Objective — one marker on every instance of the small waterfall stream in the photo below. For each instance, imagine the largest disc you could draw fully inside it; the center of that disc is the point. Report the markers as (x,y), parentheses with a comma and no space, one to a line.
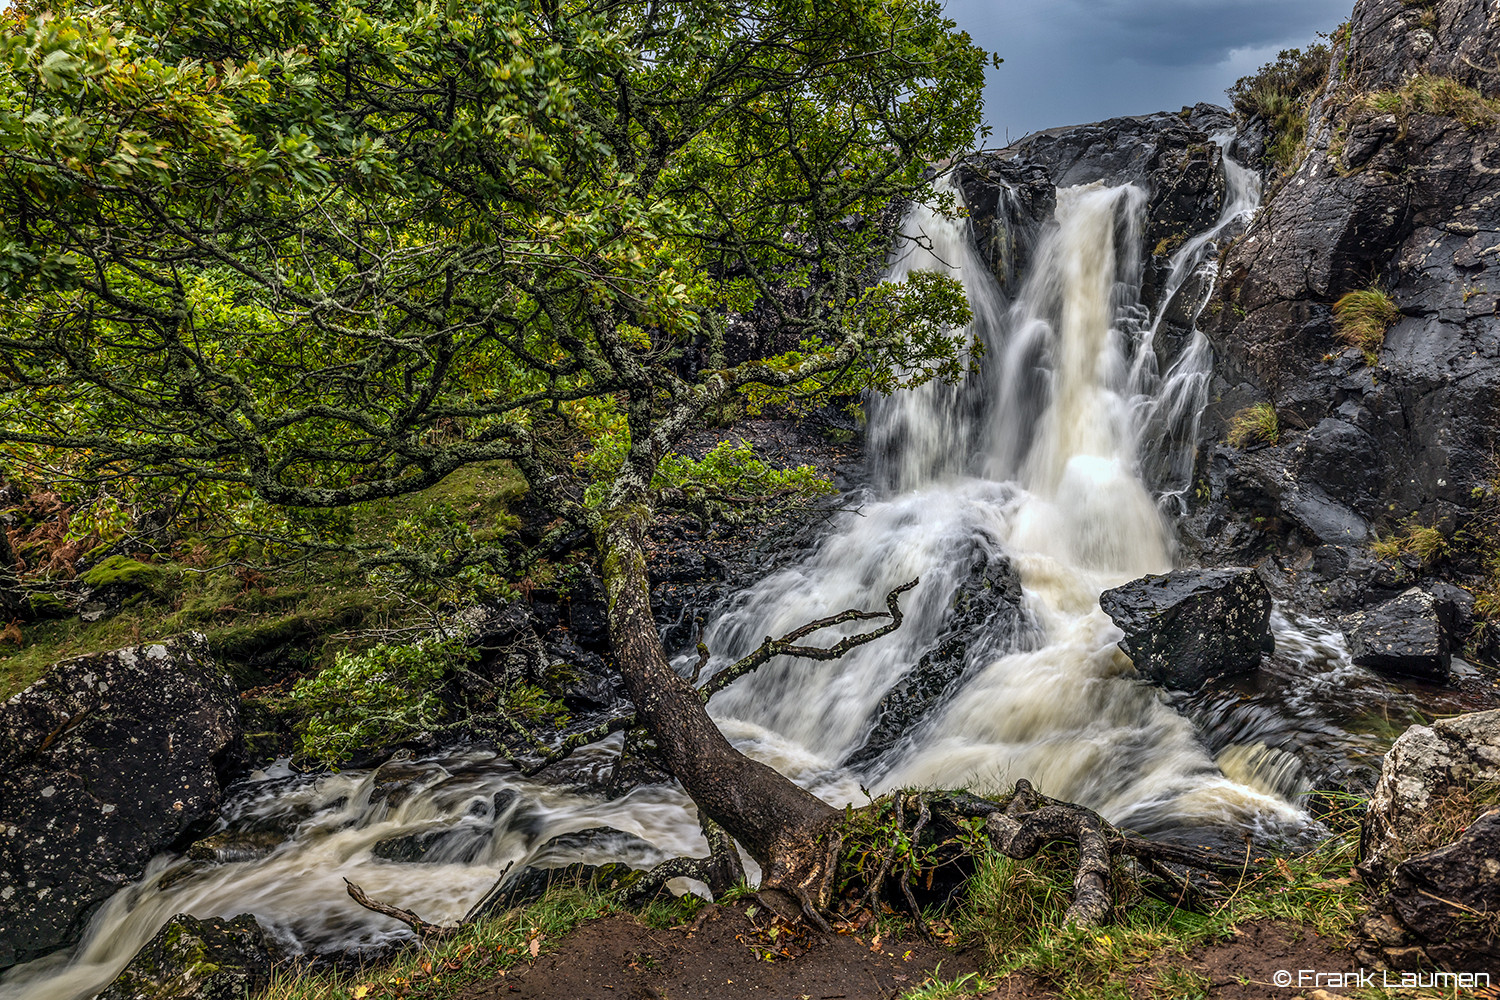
(1055,460)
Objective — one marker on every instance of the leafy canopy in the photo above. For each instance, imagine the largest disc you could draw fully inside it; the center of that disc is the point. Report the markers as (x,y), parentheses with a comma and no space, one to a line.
(318,252)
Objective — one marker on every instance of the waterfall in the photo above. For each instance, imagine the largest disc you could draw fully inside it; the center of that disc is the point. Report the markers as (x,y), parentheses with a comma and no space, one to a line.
(1052,462)
(1037,460)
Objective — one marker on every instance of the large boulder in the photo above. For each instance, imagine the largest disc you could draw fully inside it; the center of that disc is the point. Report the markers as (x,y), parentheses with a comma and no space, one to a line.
(1184,627)
(1430,846)
(1409,635)
(987,613)
(106,761)
(1428,773)
(1439,909)
(212,959)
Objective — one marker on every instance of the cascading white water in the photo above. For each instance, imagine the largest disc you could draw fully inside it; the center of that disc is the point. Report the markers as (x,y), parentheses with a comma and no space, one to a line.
(1036,461)
(1055,430)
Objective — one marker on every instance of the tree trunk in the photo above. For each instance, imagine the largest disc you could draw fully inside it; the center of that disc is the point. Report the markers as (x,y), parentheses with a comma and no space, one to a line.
(790,832)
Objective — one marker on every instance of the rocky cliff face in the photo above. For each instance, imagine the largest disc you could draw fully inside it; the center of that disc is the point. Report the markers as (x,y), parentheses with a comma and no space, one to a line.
(1399,191)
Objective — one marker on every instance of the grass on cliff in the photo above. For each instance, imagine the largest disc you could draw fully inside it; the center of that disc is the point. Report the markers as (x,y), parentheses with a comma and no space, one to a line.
(1361,318)
(1435,95)
(1280,93)
(1426,543)
(1255,424)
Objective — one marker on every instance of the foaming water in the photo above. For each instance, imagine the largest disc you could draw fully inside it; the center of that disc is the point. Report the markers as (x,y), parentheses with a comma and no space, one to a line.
(1054,427)
(1051,459)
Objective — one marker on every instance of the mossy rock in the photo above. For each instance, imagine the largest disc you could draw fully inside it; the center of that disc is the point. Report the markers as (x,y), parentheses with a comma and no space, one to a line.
(48,605)
(124,573)
(212,959)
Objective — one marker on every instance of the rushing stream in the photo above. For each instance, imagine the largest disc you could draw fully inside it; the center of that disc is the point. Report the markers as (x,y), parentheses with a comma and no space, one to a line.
(1057,460)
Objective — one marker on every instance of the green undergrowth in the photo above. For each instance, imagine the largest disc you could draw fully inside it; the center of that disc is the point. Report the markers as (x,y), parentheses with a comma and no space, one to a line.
(1279,93)
(1012,919)
(264,624)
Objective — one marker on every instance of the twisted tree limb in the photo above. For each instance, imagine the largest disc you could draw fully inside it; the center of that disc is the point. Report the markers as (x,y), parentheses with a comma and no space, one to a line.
(787,645)
(721,870)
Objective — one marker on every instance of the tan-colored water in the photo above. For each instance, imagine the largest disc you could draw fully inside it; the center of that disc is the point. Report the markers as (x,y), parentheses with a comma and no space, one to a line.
(1036,460)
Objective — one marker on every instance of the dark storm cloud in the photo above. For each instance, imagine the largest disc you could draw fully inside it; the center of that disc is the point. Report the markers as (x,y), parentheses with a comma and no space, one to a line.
(1197,32)
(1071,61)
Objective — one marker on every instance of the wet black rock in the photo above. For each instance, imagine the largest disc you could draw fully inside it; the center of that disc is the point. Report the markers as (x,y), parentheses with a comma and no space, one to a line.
(988,613)
(402,776)
(1009,201)
(1410,635)
(1399,201)
(579,676)
(1438,909)
(192,959)
(229,846)
(105,762)
(459,844)
(599,845)
(1182,628)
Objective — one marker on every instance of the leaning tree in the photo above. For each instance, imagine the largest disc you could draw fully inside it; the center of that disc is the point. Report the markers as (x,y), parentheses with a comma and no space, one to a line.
(322,252)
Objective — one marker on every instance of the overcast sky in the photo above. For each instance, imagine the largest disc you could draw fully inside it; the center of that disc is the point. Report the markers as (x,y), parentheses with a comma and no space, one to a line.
(1073,61)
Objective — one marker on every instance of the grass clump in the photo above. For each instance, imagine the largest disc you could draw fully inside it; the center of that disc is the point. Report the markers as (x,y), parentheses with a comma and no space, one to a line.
(1426,543)
(1012,911)
(962,988)
(1279,93)
(479,951)
(1435,95)
(1361,318)
(1254,425)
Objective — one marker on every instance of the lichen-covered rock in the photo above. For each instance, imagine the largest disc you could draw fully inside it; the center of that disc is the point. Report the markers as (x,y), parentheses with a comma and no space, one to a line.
(1439,907)
(106,761)
(1409,635)
(1182,628)
(211,959)
(1428,773)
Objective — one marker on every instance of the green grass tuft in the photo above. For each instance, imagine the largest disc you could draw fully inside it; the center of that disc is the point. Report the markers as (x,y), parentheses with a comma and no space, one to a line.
(1254,425)
(1361,318)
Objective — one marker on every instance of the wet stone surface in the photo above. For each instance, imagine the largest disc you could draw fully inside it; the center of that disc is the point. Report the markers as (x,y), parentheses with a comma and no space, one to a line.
(106,761)
(1182,628)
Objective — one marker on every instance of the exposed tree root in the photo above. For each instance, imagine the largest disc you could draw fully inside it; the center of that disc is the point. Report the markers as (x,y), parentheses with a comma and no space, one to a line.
(721,870)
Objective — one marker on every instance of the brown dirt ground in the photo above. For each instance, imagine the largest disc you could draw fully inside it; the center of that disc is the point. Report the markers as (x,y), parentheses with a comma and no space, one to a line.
(724,956)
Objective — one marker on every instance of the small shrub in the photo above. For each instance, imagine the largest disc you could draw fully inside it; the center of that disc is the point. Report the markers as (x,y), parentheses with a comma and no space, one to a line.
(1280,93)
(375,697)
(1254,425)
(531,703)
(1361,318)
